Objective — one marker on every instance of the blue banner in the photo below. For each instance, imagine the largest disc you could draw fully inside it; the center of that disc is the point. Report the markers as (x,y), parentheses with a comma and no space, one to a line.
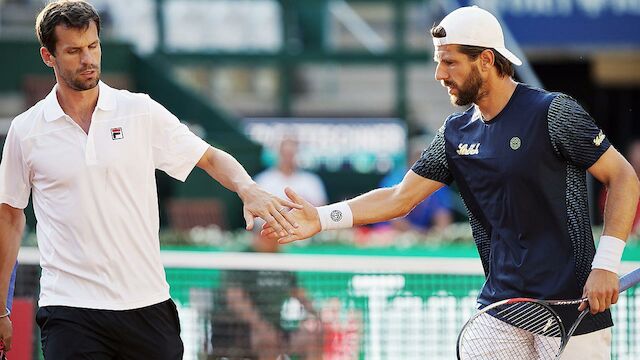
(574,23)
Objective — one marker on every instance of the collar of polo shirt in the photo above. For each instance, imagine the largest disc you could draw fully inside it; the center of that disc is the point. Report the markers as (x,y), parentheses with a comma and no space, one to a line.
(53,111)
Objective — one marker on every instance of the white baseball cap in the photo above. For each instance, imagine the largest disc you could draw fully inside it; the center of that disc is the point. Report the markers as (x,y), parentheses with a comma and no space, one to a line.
(474,26)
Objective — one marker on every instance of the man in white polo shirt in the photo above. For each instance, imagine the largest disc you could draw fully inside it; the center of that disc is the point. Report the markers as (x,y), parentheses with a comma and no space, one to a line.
(88,153)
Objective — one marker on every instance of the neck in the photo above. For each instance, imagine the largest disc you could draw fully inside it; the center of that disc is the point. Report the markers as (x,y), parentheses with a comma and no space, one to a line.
(287,170)
(79,105)
(496,96)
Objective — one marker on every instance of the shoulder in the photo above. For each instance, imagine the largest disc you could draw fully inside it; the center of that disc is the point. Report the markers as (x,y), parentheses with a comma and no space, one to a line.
(535,92)
(24,124)
(565,110)
(533,97)
(564,102)
(459,117)
(458,120)
(131,101)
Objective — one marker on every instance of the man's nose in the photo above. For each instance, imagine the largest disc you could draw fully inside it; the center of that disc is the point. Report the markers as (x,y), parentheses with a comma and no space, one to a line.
(86,57)
(440,74)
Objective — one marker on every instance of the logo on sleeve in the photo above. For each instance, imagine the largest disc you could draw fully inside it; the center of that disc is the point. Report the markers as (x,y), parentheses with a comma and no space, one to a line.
(599,139)
(466,149)
(116,133)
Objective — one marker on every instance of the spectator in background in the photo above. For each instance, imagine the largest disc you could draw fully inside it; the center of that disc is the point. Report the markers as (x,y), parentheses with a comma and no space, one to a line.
(286,173)
(341,331)
(434,213)
(263,314)
(633,156)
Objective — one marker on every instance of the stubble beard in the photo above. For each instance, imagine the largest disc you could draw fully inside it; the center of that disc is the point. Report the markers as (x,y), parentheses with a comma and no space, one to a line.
(75,83)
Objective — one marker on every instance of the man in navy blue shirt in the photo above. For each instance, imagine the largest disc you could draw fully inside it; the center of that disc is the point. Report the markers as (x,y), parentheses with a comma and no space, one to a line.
(519,156)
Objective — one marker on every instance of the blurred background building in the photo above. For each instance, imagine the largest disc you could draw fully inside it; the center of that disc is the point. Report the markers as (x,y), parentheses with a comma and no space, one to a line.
(352,81)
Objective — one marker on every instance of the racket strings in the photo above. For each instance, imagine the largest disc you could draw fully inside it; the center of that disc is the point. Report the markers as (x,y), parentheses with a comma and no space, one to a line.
(533,318)
(523,330)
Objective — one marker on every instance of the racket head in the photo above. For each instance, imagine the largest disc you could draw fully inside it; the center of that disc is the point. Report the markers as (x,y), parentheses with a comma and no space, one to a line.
(520,328)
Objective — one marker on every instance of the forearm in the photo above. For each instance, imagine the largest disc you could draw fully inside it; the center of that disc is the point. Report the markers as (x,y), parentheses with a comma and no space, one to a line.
(12,225)
(226,170)
(621,205)
(379,205)
(389,203)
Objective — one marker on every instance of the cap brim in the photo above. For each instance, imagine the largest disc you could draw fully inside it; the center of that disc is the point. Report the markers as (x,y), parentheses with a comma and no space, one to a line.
(509,55)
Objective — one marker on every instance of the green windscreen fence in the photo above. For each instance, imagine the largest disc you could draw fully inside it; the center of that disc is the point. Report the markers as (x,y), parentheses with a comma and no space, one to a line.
(335,307)
(347,307)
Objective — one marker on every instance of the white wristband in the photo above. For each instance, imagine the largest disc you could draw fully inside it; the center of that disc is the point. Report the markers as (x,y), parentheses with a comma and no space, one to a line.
(335,216)
(609,254)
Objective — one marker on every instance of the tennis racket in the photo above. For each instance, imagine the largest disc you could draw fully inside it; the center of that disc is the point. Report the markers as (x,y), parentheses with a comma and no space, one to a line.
(522,328)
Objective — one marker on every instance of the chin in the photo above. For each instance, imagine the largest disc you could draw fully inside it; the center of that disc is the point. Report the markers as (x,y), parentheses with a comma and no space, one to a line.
(87,85)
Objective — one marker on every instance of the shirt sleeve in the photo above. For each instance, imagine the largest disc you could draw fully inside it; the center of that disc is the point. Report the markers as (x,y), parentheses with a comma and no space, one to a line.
(433,161)
(15,175)
(575,137)
(176,150)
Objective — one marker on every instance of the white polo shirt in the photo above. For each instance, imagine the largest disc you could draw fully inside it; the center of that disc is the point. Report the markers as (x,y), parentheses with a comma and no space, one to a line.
(95,196)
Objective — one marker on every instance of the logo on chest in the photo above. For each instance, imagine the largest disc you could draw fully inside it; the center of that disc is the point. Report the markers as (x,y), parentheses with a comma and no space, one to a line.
(515,143)
(468,149)
(116,133)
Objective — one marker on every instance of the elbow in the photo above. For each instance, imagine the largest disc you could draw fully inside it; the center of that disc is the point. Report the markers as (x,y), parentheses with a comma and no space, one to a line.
(629,183)
(13,217)
(404,211)
(635,187)
(21,220)
(207,160)
(632,184)
(403,203)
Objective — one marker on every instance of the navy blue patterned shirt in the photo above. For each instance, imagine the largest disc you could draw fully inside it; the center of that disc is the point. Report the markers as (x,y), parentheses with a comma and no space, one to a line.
(522,178)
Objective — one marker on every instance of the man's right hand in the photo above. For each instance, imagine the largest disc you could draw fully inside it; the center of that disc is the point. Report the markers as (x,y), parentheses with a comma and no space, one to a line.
(307,219)
(6,332)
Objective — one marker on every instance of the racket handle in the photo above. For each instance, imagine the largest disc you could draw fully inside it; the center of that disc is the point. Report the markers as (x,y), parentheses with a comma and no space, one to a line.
(629,280)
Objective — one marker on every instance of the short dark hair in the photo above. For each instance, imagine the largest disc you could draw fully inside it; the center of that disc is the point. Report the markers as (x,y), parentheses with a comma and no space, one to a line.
(502,64)
(77,14)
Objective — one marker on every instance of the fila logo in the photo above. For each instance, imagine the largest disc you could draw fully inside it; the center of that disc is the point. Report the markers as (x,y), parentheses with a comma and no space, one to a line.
(599,139)
(116,133)
(466,149)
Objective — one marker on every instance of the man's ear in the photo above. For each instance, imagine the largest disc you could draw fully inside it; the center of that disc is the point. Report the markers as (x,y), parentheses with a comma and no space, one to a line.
(47,57)
(487,59)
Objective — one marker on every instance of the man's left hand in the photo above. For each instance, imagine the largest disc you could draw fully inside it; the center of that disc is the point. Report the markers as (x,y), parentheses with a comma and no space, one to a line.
(602,289)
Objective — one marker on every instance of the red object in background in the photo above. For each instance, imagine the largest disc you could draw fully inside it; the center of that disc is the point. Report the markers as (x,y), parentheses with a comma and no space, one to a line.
(22,317)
